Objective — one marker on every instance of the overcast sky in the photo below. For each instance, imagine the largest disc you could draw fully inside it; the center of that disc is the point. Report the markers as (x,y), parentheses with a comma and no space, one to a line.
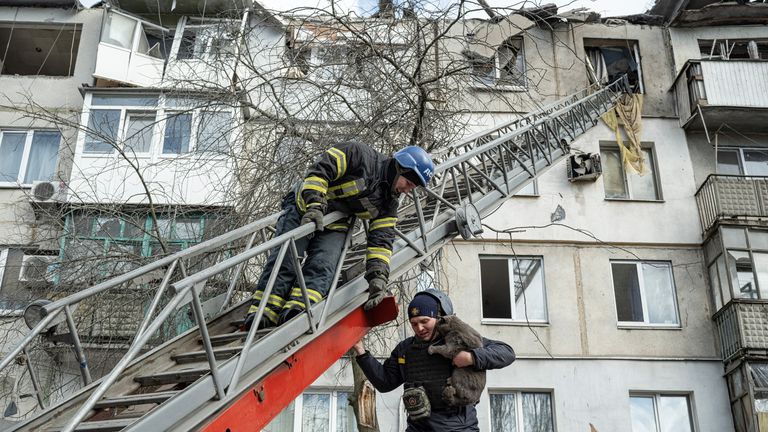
(365,7)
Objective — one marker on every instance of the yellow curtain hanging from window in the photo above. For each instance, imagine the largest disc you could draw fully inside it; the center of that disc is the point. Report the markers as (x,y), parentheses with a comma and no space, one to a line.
(627,116)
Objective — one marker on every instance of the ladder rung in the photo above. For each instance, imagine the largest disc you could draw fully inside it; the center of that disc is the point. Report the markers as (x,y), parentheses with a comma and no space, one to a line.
(196,356)
(135,399)
(226,338)
(172,377)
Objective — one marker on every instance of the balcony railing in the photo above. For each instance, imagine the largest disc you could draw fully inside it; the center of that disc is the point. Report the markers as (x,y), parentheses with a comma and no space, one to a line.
(720,84)
(742,327)
(735,198)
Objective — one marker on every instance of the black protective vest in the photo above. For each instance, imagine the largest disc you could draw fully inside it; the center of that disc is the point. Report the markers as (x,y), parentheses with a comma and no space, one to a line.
(430,371)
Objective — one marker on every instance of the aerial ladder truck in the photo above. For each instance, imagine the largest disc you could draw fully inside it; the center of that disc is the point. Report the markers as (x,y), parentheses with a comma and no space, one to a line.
(214,377)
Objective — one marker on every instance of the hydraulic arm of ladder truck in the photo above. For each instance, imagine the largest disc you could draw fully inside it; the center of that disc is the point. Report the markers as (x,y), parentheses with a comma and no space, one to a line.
(213,377)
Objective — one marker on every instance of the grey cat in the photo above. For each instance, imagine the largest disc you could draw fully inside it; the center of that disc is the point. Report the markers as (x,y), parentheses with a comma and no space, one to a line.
(465,384)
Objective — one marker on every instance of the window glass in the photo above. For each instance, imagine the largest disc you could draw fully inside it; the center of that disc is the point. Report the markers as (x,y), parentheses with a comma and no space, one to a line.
(714,279)
(728,162)
(102,131)
(674,414)
(756,162)
(643,187)
(613,174)
(742,277)
(530,302)
(734,238)
(187,229)
(537,413)
(494,279)
(345,415)
(41,163)
(503,412)
(119,30)
(123,100)
(659,293)
(138,132)
(214,131)
(178,129)
(721,268)
(315,414)
(11,152)
(758,239)
(629,306)
(761,269)
(642,413)
(644,292)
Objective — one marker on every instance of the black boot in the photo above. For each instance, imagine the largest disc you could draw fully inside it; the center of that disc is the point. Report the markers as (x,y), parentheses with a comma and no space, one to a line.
(287,314)
(263,324)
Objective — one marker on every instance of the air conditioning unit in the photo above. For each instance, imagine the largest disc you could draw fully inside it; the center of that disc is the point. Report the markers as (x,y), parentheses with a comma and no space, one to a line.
(49,192)
(584,167)
(37,268)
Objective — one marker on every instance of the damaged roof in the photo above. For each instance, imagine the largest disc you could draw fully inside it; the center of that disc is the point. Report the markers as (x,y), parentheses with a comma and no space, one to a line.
(694,13)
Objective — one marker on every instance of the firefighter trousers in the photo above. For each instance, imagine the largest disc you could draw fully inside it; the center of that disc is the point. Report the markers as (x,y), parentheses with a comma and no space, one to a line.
(323,250)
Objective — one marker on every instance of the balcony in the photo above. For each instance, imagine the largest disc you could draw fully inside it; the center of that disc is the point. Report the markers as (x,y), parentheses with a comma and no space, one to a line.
(723,91)
(742,328)
(737,199)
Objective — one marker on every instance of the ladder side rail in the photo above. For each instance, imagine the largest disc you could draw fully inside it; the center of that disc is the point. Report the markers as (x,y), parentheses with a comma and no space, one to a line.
(238,273)
(121,365)
(190,252)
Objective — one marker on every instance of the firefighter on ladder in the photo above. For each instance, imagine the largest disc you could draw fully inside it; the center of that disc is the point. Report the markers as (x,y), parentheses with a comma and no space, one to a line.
(357,180)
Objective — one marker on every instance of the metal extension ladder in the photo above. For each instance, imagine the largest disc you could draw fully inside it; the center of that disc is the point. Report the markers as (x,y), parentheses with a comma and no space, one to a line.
(216,378)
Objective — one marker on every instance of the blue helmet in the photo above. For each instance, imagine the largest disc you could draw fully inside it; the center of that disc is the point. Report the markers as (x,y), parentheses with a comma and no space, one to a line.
(417,160)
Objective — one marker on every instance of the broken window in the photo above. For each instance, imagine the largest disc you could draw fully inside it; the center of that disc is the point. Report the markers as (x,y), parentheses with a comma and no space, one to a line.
(38,49)
(518,294)
(506,67)
(28,156)
(208,42)
(731,49)
(645,293)
(121,31)
(609,60)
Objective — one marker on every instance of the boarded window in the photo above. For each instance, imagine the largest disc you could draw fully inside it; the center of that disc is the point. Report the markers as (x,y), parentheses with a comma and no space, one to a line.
(36,49)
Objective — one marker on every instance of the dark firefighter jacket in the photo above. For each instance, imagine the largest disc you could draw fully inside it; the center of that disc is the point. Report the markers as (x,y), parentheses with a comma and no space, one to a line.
(390,375)
(355,179)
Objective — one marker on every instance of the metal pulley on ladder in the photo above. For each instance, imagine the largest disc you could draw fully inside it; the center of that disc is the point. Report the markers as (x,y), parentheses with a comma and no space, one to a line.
(468,221)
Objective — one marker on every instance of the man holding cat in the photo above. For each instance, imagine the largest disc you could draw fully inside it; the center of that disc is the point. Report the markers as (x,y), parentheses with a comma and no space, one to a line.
(426,375)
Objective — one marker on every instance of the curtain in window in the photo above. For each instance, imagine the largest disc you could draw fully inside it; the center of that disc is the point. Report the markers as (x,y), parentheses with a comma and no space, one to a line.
(659,293)
(11,151)
(598,72)
(537,413)
(345,415)
(503,415)
(42,156)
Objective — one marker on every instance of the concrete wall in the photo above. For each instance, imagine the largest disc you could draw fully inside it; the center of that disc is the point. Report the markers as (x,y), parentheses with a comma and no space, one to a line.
(672,220)
(54,92)
(582,391)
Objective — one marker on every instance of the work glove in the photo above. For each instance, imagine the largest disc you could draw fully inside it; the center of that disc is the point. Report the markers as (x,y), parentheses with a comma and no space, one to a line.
(377,290)
(313,215)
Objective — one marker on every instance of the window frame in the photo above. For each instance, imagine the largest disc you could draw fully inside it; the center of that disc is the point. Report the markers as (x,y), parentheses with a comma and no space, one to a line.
(640,279)
(138,30)
(651,147)
(59,28)
(519,404)
(24,164)
(741,159)
(163,109)
(298,406)
(510,274)
(658,395)
(595,43)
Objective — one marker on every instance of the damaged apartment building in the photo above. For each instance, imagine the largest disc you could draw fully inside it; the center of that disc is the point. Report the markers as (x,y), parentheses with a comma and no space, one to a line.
(632,290)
